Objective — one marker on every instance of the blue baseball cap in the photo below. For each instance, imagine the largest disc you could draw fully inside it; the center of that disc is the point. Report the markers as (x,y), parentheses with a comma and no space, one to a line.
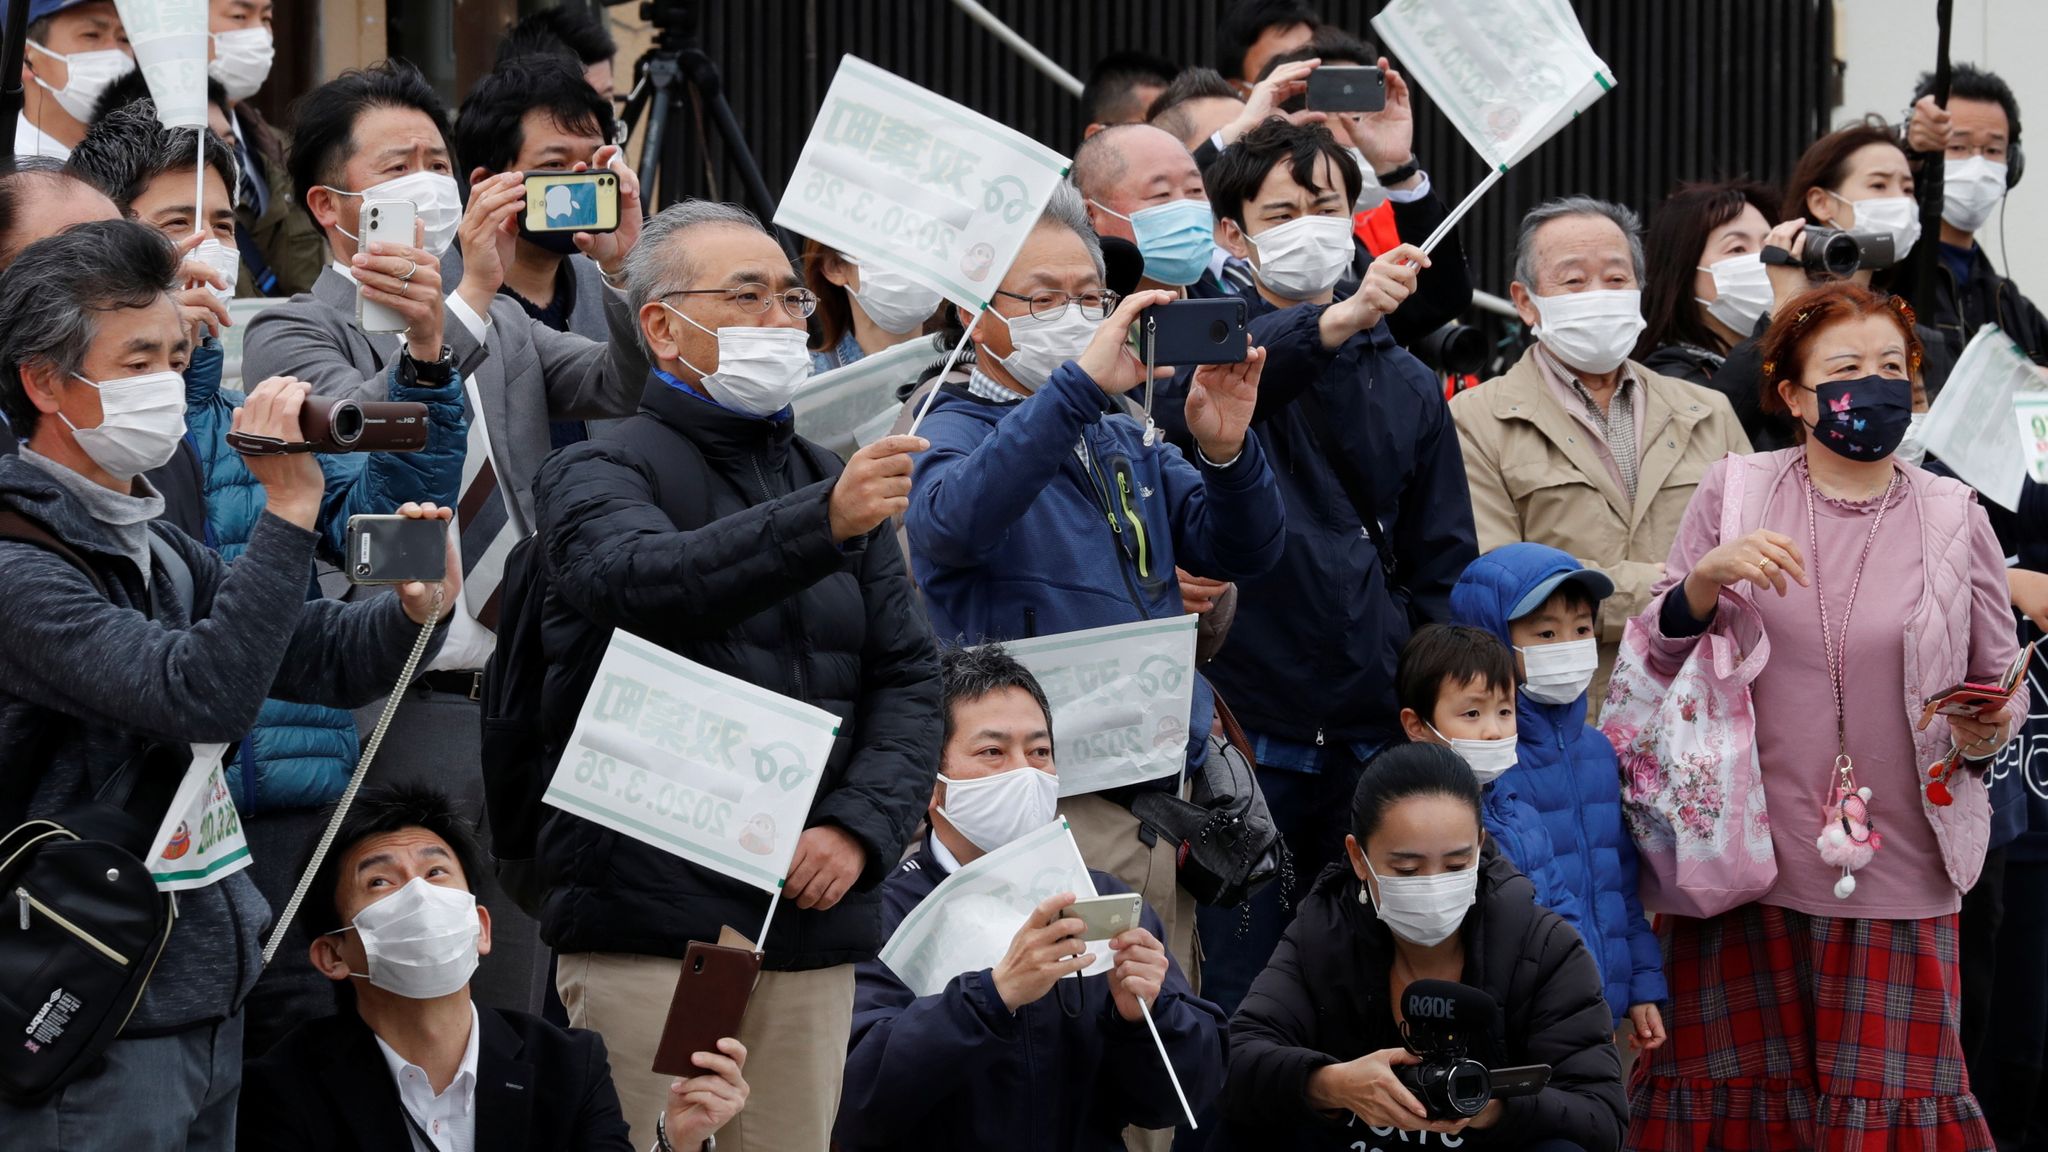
(1595,584)
(44,9)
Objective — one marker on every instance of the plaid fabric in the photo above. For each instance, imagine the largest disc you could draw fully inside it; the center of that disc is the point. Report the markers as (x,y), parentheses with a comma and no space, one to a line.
(1790,1031)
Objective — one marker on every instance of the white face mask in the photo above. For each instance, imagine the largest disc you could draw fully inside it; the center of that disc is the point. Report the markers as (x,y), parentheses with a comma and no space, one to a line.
(88,76)
(420,941)
(1303,258)
(1038,347)
(1742,292)
(1423,910)
(435,201)
(1970,190)
(142,418)
(1559,673)
(1370,194)
(759,369)
(1487,758)
(1590,331)
(241,60)
(1894,216)
(995,810)
(1913,450)
(221,259)
(896,303)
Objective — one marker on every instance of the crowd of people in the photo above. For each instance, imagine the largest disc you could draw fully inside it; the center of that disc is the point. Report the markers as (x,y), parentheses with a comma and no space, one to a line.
(1411,594)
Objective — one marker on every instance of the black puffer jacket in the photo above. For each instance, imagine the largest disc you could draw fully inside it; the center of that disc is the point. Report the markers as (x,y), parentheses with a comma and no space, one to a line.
(755,588)
(1324,999)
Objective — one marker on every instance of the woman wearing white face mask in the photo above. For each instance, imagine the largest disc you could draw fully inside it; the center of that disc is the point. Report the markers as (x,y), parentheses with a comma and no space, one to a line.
(863,308)
(1704,287)
(1421,895)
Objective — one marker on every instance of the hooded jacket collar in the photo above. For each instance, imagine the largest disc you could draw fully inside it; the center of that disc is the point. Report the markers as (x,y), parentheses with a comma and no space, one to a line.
(717,431)
(35,494)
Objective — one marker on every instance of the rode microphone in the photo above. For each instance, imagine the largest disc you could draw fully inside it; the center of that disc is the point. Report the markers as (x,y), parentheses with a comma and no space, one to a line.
(1444,1016)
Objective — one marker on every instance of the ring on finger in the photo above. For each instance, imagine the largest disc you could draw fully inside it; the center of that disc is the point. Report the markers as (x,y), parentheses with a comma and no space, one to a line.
(411,266)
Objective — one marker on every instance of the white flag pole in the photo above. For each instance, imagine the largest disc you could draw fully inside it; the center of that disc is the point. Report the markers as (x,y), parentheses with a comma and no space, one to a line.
(774,901)
(1464,206)
(199,180)
(939,380)
(1145,1010)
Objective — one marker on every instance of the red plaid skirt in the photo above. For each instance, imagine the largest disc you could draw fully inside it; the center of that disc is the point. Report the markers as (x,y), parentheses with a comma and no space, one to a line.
(1796,1032)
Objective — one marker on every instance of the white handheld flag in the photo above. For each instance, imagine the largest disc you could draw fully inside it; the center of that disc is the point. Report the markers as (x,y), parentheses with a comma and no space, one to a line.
(695,762)
(1507,73)
(200,840)
(170,42)
(1120,699)
(905,177)
(1971,426)
(832,407)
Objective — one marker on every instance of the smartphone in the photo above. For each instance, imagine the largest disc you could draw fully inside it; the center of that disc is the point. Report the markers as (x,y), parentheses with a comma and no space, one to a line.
(1526,1080)
(571,201)
(1192,332)
(709,1003)
(390,221)
(1105,916)
(1347,88)
(395,549)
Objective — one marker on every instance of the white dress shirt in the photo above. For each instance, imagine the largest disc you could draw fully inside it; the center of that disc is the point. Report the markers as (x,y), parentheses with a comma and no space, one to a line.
(448,1121)
(30,140)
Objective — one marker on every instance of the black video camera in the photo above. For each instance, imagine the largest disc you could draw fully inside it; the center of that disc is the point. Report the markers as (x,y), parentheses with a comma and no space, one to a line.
(1447,1023)
(1833,252)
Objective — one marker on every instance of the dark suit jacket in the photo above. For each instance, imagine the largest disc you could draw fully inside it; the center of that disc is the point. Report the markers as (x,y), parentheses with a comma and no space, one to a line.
(326,1088)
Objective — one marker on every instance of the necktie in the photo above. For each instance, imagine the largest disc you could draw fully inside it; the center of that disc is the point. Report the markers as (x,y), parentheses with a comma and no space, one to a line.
(487,532)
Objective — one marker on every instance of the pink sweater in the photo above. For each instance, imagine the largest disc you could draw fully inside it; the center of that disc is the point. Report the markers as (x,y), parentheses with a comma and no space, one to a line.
(1933,608)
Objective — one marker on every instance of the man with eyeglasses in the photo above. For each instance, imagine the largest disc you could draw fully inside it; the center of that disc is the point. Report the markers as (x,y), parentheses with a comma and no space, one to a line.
(1044,507)
(706,525)
(382,133)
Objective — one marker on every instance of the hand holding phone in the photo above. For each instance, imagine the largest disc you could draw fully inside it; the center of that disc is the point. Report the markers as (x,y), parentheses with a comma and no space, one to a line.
(396,549)
(709,1004)
(1192,332)
(1347,88)
(561,204)
(390,221)
(1103,917)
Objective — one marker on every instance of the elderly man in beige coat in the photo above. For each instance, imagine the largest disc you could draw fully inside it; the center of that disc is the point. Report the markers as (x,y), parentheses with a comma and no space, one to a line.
(1577,446)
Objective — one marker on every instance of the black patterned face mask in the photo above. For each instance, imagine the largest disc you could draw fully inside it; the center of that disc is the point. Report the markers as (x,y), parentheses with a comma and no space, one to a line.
(1863,419)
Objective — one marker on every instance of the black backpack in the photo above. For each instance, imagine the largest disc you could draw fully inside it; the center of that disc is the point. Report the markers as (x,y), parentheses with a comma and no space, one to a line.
(518,757)
(83,923)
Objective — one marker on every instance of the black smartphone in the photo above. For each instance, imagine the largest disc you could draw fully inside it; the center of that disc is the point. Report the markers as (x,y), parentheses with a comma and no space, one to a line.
(1526,1080)
(395,549)
(1347,88)
(571,201)
(1192,332)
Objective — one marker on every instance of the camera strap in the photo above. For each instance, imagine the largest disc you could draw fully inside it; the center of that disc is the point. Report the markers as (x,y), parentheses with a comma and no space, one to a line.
(355,780)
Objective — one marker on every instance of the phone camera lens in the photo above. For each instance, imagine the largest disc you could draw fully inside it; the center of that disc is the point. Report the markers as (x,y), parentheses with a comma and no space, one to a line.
(1219,331)
(362,569)
(698,965)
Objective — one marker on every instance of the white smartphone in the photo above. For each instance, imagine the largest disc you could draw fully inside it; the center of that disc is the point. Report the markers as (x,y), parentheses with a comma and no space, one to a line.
(392,222)
(1106,916)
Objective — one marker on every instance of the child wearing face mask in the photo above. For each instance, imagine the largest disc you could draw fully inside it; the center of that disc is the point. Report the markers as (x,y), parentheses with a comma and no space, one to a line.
(1456,686)
(1544,605)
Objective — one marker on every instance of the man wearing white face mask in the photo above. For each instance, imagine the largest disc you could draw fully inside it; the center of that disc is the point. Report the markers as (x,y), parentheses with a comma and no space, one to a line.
(411,1061)
(102,653)
(705,524)
(1578,446)
(1543,604)
(76,48)
(1013,1056)
(1979,135)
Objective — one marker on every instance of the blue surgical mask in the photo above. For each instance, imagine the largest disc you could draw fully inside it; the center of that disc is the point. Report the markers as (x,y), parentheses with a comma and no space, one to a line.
(1176,239)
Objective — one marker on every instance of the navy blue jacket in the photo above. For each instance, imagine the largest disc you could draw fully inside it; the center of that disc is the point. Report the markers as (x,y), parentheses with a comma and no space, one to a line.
(957,1070)
(1567,771)
(1011,535)
(1317,639)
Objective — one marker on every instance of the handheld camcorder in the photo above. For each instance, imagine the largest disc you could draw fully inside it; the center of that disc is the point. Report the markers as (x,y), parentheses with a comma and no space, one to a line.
(1834,252)
(331,425)
(1450,1024)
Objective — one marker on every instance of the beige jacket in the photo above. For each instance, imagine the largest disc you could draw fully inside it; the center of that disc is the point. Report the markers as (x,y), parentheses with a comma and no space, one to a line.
(1534,476)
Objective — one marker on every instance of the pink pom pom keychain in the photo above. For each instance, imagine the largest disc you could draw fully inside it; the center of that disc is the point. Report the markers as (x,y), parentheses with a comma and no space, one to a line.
(1847,838)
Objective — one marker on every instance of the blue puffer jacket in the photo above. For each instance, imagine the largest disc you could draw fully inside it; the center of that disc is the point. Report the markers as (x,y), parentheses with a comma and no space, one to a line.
(1568,772)
(300,755)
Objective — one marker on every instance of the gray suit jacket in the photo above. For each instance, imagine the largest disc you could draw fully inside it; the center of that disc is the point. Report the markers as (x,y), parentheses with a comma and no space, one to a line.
(525,373)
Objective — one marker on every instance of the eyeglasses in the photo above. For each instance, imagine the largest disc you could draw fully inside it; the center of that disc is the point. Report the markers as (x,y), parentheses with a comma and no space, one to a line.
(1957,150)
(1053,305)
(754,299)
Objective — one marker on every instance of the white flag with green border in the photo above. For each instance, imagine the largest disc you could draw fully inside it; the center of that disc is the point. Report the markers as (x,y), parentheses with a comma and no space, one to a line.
(1120,700)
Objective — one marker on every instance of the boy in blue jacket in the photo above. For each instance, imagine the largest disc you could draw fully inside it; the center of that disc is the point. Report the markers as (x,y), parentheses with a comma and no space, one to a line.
(1457,688)
(1542,603)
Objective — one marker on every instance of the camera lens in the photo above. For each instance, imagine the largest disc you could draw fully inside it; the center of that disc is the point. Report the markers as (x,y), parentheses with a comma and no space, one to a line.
(346,424)
(1466,1088)
(363,569)
(1219,331)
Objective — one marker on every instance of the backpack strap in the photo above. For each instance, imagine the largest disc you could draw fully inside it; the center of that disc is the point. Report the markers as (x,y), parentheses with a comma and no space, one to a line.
(23,529)
(176,571)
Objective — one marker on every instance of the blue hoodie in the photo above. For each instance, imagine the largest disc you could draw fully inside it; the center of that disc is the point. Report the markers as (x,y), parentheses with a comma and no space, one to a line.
(1568,772)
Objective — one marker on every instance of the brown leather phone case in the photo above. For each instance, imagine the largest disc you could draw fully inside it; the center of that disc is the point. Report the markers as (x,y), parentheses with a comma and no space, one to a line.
(710,1000)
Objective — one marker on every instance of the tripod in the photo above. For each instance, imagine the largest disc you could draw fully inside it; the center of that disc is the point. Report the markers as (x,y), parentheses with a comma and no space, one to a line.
(671,72)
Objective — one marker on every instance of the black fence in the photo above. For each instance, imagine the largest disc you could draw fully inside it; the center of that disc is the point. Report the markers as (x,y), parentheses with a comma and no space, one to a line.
(1706,87)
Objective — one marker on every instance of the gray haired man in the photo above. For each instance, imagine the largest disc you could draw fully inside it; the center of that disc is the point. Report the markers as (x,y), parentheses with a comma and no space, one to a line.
(1578,446)
(706,525)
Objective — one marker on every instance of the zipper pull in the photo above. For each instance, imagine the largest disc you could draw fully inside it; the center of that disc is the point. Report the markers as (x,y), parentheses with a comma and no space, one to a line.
(1319,737)
(21,895)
